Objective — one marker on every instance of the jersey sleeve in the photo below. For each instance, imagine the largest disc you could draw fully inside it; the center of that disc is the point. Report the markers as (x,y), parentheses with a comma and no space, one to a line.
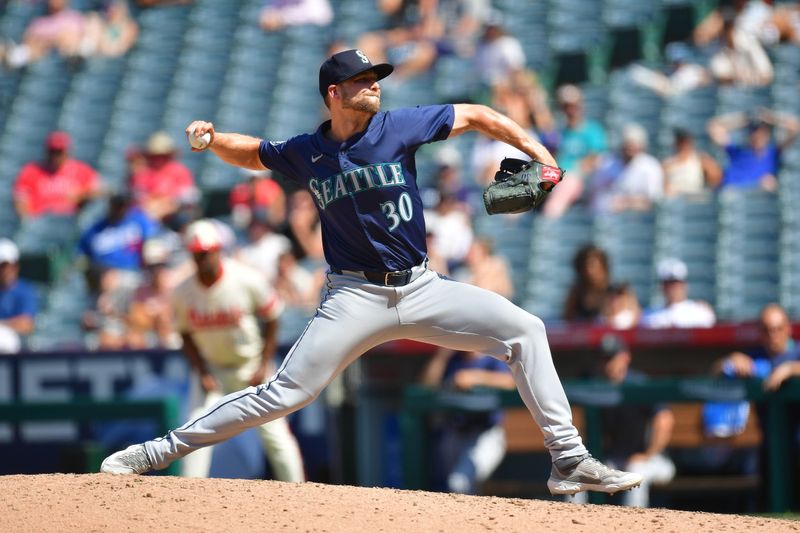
(276,155)
(422,124)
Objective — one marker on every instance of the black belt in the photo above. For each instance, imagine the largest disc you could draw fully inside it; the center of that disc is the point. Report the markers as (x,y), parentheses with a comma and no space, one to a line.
(396,278)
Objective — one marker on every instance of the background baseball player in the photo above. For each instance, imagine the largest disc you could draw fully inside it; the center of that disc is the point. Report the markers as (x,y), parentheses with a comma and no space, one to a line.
(217,312)
(360,168)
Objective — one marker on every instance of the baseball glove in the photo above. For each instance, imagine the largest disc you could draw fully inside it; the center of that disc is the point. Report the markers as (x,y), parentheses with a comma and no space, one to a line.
(520,186)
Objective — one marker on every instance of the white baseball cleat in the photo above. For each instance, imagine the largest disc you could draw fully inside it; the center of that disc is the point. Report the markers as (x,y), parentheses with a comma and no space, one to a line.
(131,460)
(577,474)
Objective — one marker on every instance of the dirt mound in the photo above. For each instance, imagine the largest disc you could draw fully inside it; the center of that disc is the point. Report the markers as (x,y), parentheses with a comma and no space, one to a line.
(102,502)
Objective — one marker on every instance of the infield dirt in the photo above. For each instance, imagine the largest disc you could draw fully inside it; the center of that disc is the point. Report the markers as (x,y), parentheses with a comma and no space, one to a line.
(103,502)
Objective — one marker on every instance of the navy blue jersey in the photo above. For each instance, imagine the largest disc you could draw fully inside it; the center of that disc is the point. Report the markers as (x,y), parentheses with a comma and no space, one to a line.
(365,188)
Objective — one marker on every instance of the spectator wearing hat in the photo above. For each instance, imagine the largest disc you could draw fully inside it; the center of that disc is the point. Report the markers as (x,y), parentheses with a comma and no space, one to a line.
(164,184)
(499,56)
(259,192)
(18,301)
(150,321)
(581,142)
(635,436)
(756,162)
(57,185)
(630,180)
(678,310)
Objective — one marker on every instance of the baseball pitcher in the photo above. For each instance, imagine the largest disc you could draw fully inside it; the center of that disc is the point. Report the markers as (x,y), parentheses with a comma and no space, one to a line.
(360,168)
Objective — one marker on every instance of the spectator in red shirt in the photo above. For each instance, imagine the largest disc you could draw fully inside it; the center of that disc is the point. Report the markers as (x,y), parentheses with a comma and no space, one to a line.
(164,184)
(260,193)
(58,185)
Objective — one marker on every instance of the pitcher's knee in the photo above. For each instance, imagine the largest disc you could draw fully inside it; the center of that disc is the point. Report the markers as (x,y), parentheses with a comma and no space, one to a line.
(534,326)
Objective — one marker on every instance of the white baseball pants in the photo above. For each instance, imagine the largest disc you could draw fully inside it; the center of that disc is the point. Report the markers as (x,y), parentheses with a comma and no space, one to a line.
(356,315)
(280,445)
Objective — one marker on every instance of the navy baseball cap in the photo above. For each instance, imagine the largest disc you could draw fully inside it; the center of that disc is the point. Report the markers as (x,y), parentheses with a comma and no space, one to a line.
(344,65)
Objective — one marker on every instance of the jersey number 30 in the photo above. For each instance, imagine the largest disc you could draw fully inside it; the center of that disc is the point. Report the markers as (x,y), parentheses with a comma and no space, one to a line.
(395,212)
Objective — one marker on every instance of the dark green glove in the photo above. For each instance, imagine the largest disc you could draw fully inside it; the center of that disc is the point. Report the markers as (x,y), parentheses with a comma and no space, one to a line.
(520,186)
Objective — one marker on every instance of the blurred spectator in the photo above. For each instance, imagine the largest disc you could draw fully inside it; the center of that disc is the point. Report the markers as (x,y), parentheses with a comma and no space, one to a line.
(228,319)
(741,60)
(451,226)
(165,184)
(484,269)
(621,309)
(523,100)
(448,180)
(635,436)
(682,74)
(304,229)
(471,445)
(58,185)
(756,163)
(297,286)
(115,241)
(157,3)
(278,14)
(678,310)
(629,180)
(264,247)
(688,171)
(754,17)
(110,32)
(774,360)
(112,246)
(587,295)
(149,320)
(18,301)
(581,143)
(61,29)
(406,41)
(259,192)
(499,56)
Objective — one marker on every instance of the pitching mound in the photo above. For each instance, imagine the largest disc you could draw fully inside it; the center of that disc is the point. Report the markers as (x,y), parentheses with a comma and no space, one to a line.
(102,502)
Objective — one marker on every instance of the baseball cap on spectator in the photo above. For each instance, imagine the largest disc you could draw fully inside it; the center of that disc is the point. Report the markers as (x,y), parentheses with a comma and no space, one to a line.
(203,236)
(58,140)
(611,345)
(568,94)
(344,65)
(160,143)
(9,253)
(672,269)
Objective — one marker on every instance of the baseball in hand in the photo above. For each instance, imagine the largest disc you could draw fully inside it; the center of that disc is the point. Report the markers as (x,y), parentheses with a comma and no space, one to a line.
(201,142)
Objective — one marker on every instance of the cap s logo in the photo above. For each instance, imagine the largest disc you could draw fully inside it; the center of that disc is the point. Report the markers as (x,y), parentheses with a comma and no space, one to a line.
(364,58)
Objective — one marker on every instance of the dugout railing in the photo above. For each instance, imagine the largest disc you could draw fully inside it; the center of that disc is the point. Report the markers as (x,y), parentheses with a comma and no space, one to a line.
(419,402)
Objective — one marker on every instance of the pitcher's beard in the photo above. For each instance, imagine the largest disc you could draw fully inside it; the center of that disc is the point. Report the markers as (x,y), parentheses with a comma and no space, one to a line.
(365,104)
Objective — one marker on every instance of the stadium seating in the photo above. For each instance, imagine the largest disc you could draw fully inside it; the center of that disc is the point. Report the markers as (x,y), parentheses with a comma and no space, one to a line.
(211,60)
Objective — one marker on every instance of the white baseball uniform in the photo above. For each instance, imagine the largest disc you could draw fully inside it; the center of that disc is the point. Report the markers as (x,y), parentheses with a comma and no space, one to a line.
(223,322)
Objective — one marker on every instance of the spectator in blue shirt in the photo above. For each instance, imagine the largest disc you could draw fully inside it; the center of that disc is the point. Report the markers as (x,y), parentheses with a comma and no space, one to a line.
(755,163)
(18,302)
(113,249)
(471,445)
(115,241)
